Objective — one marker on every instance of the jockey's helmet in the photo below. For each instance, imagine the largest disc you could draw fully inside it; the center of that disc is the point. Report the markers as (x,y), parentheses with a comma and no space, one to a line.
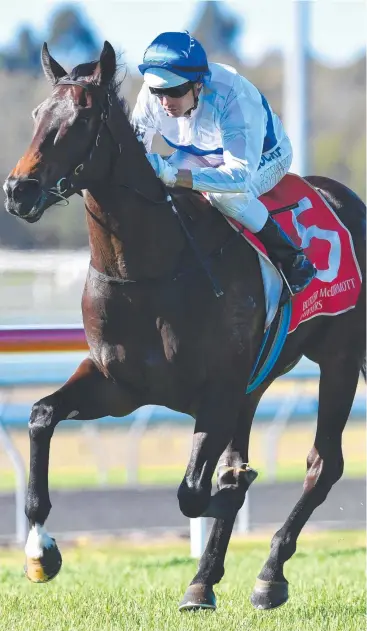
(172,59)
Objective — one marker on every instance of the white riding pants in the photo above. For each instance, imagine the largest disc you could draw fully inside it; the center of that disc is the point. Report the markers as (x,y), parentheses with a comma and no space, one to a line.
(246,208)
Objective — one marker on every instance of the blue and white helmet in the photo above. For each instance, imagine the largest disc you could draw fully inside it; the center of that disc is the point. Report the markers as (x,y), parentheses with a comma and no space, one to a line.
(173,59)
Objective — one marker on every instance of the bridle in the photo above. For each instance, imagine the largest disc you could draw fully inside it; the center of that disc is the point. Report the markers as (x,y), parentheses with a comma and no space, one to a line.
(73,181)
(79,176)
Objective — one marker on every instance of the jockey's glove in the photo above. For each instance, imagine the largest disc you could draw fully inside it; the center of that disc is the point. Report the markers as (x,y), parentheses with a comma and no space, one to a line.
(165,171)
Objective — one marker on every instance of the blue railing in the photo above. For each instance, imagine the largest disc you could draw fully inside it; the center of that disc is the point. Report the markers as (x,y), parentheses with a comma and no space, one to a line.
(50,370)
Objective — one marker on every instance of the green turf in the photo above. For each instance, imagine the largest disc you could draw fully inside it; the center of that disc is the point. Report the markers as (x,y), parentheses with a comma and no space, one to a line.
(119,587)
(160,475)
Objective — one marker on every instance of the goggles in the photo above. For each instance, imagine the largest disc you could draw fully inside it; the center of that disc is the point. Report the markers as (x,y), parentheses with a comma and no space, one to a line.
(173,93)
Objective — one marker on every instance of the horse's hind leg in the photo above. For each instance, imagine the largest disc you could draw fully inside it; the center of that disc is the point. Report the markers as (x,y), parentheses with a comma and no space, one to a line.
(338,383)
(234,477)
(86,395)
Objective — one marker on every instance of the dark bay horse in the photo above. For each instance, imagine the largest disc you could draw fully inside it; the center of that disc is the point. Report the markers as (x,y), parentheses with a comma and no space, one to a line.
(158,334)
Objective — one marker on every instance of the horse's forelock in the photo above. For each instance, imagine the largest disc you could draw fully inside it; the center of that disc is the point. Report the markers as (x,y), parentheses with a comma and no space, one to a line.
(84,72)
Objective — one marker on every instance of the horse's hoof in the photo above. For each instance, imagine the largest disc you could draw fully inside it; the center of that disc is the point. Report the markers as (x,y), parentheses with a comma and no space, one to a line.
(44,568)
(198,597)
(269,594)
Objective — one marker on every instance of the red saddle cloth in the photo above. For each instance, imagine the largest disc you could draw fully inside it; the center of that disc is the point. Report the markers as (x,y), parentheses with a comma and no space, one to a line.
(327,243)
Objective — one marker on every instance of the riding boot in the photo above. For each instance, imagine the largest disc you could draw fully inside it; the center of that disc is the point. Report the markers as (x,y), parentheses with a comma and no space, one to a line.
(284,253)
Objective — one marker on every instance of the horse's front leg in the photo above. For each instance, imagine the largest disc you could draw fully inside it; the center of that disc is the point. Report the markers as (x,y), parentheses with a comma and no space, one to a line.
(234,479)
(86,395)
(216,419)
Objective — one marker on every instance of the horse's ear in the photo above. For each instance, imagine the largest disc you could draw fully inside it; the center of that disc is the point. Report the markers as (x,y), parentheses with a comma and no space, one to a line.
(106,67)
(51,68)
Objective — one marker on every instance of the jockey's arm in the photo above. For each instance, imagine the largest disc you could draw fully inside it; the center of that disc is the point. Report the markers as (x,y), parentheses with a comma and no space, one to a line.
(242,127)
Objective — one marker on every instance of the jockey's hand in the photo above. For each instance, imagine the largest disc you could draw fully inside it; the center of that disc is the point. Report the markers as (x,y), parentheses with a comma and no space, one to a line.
(165,171)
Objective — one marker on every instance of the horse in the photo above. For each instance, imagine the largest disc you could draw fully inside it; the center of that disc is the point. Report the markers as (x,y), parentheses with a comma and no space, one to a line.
(159,334)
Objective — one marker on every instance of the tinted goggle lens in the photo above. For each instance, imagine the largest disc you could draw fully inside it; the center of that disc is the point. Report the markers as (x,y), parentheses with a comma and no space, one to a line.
(174,93)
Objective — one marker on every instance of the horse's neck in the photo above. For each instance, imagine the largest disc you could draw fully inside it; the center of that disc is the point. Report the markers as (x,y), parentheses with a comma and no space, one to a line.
(131,237)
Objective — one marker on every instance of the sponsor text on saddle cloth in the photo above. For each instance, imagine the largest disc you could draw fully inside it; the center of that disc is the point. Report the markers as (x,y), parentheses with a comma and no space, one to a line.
(327,243)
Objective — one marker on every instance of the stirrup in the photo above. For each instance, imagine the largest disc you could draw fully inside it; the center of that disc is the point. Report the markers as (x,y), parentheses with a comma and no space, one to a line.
(287,291)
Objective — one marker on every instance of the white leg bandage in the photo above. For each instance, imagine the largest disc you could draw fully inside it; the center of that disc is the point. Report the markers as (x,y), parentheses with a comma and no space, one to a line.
(38,540)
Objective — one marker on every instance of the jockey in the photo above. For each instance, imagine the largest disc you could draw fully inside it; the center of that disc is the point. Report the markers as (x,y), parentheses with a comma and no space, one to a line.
(228,141)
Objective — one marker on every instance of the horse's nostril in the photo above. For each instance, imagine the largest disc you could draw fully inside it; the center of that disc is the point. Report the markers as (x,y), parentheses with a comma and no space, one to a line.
(18,189)
(21,195)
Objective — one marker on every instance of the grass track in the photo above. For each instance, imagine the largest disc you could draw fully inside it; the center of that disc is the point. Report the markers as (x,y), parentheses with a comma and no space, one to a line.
(136,587)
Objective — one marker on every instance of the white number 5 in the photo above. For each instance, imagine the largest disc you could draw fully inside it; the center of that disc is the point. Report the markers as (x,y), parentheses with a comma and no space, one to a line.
(306,234)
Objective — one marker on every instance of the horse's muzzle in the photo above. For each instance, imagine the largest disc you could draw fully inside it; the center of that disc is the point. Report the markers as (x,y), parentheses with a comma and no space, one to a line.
(23,198)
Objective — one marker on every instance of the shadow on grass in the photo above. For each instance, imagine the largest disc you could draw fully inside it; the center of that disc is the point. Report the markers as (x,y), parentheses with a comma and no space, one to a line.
(347,552)
(334,553)
(174,562)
